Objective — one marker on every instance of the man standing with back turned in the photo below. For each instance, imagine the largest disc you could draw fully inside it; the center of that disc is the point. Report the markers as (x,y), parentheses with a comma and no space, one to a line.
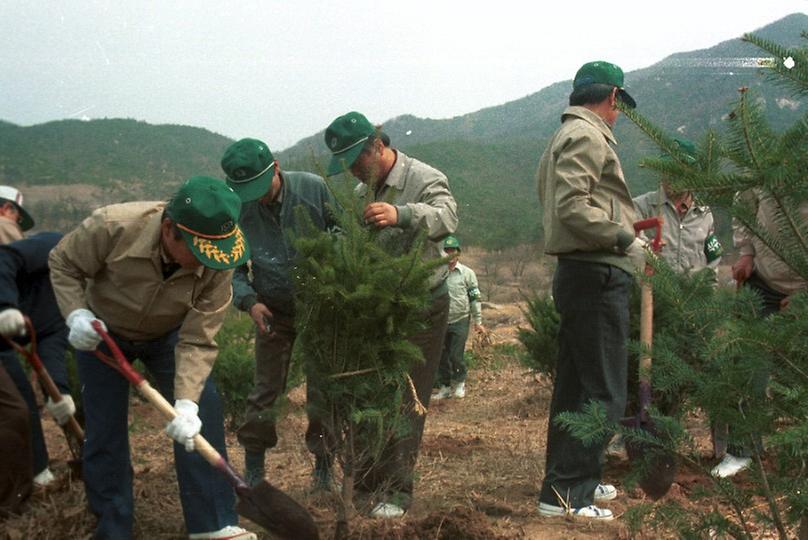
(588,216)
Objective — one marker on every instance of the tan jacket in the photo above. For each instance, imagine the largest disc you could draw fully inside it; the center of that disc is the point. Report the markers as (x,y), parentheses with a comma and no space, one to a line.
(9,231)
(771,268)
(683,236)
(112,265)
(588,212)
(421,195)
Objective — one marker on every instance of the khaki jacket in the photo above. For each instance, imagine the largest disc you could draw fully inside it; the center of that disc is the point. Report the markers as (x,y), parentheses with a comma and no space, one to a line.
(112,265)
(588,212)
(9,231)
(684,236)
(421,195)
(771,268)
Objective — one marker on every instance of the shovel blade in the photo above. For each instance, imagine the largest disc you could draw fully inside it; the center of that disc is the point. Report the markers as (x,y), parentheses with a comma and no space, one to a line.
(277,512)
(659,465)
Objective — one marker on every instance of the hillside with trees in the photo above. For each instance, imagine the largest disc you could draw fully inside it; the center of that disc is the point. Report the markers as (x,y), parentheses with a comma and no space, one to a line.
(68,167)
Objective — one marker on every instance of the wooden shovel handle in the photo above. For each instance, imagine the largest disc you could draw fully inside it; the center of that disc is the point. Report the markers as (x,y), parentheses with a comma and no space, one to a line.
(646,330)
(53,392)
(201,444)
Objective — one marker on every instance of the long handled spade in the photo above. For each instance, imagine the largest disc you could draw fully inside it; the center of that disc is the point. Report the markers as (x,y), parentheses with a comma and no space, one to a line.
(264,504)
(72,430)
(659,465)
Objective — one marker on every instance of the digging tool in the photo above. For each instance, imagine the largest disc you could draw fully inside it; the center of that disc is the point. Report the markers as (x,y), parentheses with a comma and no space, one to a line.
(72,430)
(659,464)
(264,504)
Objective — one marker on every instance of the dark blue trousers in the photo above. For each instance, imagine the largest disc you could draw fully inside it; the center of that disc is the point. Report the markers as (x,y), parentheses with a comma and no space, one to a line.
(593,303)
(207,499)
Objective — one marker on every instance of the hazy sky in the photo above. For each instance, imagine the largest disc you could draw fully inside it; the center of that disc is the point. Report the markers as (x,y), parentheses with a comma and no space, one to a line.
(282,70)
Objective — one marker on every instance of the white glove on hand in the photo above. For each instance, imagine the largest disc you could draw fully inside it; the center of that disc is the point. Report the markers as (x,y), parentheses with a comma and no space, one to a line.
(637,251)
(63,410)
(186,425)
(12,323)
(82,335)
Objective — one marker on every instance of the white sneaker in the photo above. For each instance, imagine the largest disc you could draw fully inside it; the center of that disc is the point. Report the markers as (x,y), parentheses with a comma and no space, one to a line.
(386,510)
(460,390)
(605,492)
(231,532)
(588,512)
(442,393)
(730,466)
(44,477)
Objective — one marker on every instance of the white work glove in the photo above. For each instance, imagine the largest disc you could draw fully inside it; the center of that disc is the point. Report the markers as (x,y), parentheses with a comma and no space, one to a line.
(63,410)
(12,323)
(186,425)
(637,252)
(82,335)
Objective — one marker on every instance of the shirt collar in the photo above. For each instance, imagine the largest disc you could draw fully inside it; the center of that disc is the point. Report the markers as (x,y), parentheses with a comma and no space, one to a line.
(585,114)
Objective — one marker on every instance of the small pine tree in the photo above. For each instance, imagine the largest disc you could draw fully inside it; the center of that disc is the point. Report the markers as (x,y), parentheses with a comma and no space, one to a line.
(541,339)
(359,299)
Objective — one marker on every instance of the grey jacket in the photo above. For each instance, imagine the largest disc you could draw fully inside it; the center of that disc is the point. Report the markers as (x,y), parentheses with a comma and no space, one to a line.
(684,236)
(270,231)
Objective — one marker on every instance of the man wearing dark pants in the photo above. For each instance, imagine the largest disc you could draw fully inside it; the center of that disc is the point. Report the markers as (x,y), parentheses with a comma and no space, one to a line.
(159,276)
(271,199)
(408,199)
(588,216)
(761,270)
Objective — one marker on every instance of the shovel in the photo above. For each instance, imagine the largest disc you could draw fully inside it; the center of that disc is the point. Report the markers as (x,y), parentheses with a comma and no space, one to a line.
(263,504)
(659,465)
(72,430)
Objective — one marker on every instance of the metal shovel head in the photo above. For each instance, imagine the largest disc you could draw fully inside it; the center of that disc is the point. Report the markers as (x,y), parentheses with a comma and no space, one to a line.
(277,512)
(658,464)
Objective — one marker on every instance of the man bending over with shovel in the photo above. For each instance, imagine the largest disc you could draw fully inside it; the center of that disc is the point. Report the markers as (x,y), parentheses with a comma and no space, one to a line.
(158,276)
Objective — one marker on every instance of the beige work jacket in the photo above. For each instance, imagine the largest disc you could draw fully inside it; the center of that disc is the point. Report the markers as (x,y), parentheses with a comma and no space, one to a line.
(112,265)
(588,212)
(771,268)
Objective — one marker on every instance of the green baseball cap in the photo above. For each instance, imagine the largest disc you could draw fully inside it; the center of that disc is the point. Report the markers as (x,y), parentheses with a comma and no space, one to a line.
(206,212)
(250,167)
(686,147)
(451,242)
(346,137)
(601,72)
(13,195)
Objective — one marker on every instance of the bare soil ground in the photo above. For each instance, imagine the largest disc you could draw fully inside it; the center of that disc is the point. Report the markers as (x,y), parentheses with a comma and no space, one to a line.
(480,466)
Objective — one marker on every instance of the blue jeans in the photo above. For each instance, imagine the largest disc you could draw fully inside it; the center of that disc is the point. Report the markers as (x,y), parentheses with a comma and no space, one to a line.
(207,499)
(51,349)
